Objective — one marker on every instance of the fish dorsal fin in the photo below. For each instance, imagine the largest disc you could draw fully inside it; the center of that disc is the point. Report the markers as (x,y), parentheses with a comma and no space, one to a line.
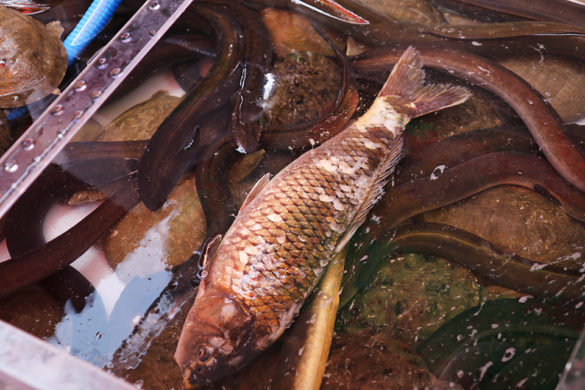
(210,249)
(259,186)
(406,90)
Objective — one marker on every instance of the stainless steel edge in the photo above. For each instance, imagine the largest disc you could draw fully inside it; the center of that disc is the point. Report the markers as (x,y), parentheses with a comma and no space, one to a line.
(27,362)
(49,134)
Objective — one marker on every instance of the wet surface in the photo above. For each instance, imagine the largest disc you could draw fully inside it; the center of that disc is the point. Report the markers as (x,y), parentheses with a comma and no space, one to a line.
(441,296)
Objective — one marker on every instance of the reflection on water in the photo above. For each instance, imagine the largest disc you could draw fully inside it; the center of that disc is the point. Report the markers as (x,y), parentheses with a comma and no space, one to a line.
(94,334)
(502,308)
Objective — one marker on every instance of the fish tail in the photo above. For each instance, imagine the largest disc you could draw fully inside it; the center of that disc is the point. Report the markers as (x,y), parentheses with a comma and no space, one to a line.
(406,88)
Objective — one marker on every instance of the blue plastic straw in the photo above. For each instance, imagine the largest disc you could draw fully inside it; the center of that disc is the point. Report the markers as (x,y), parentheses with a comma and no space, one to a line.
(93,21)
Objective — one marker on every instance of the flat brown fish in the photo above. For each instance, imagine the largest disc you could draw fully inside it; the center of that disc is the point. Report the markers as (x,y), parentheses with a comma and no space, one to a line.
(291,226)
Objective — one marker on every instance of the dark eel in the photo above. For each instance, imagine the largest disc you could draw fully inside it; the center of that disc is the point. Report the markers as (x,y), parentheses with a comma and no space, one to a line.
(475,175)
(558,280)
(457,149)
(555,10)
(99,163)
(34,265)
(174,143)
(484,38)
(539,117)
(211,179)
(24,231)
(105,166)
(247,114)
(467,163)
(170,52)
(482,258)
(508,39)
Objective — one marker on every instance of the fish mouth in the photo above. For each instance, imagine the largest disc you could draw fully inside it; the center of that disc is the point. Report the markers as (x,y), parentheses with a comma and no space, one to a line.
(217,339)
(206,375)
(194,378)
(222,364)
(189,342)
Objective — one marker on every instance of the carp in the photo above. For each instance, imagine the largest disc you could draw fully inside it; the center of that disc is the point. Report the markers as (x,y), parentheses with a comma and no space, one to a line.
(289,228)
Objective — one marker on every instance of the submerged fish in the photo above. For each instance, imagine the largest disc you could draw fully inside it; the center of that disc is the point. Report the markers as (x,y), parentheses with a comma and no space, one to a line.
(290,227)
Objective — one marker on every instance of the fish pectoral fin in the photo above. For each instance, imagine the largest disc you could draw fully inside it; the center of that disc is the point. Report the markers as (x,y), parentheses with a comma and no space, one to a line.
(210,249)
(345,239)
(259,186)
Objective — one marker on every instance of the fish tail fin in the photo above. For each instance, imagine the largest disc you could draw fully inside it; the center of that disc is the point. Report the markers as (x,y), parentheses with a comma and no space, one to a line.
(406,88)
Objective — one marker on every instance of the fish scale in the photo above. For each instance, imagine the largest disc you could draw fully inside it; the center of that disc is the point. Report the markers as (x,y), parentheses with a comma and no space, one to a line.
(312,206)
(289,229)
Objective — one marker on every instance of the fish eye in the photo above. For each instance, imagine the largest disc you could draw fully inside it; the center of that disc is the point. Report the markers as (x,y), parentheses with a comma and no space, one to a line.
(203,354)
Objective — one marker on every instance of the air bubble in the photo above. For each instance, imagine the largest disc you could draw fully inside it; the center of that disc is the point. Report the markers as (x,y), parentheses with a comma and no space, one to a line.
(154,5)
(126,37)
(10,166)
(115,71)
(95,94)
(438,171)
(58,110)
(80,86)
(102,63)
(28,144)
(508,354)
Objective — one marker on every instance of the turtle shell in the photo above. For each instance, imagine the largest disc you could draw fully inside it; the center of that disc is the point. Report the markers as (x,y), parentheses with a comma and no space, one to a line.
(32,58)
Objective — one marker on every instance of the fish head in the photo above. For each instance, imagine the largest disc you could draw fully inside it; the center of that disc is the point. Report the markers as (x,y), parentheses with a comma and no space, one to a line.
(216,340)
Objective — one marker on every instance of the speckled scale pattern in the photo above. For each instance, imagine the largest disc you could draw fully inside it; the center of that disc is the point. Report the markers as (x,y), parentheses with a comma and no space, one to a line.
(280,243)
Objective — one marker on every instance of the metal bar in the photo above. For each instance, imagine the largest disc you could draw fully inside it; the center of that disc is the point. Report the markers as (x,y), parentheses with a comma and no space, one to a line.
(27,362)
(49,134)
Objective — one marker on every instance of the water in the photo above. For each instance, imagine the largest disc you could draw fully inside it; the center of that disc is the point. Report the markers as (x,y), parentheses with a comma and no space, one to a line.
(493,299)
